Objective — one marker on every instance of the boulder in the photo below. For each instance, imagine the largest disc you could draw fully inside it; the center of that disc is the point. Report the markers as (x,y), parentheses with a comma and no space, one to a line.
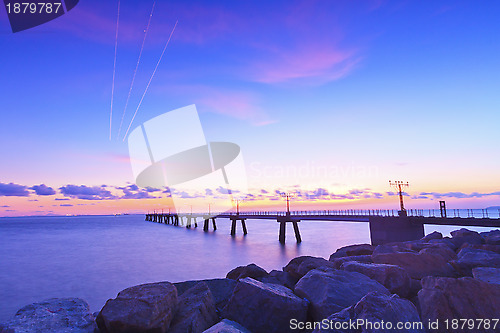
(298,267)
(262,307)
(251,270)
(431,236)
(487,274)
(445,241)
(144,308)
(468,258)
(55,315)
(221,289)
(487,247)
(417,265)
(227,326)
(440,249)
(374,312)
(280,277)
(393,277)
(353,250)
(338,262)
(331,291)
(459,237)
(444,298)
(394,248)
(491,237)
(195,311)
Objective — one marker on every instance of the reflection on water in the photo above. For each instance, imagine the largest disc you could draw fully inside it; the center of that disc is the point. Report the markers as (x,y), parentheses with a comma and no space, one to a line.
(95,257)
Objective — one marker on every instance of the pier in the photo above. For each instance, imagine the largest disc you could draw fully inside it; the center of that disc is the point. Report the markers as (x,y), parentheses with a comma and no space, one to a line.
(386,226)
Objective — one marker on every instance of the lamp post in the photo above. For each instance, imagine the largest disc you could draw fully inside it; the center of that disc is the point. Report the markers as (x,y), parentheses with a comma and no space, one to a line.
(399,184)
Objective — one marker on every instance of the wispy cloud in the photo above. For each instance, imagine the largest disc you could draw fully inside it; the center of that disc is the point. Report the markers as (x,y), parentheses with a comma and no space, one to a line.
(457,195)
(310,64)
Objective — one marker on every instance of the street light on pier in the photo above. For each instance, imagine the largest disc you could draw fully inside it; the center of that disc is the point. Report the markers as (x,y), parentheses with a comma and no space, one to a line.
(287,196)
(398,185)
(237,201)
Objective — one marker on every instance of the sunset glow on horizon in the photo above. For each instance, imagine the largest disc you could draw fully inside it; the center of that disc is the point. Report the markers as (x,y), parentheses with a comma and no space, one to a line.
(327,101)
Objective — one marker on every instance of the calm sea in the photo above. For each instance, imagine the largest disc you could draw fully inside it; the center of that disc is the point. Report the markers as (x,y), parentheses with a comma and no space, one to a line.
(94,257)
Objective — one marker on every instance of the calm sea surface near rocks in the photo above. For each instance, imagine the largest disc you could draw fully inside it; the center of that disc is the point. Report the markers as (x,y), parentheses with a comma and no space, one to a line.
(94,257)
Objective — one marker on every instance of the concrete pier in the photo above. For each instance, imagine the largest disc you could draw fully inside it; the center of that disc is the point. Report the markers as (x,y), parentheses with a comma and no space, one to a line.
(283,220)
(394,229)
(234,219)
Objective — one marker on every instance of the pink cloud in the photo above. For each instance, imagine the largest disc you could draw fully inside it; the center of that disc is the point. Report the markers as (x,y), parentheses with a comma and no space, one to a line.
(242,105)
(310,64)
(235,104)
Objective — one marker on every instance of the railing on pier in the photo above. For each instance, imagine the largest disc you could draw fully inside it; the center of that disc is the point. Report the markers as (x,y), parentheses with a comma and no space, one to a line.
(465,213)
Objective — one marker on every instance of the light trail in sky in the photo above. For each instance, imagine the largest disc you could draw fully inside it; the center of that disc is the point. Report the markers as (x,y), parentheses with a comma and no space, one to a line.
(114,72)
(135,71)
(150,79)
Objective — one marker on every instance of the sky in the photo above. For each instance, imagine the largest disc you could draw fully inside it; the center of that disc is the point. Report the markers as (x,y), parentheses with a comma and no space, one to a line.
(328,100)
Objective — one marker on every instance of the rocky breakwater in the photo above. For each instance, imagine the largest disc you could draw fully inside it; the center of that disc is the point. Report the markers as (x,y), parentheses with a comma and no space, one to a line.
(435,284)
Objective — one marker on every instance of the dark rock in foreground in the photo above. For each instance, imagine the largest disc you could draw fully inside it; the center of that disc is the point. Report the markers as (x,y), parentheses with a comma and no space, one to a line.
(468,258)
(221,289)
(143,308)
(487,274)
(377,308)
(331,291)
(227,326)
(280,277)
(55,315)
(491,237)
(195,311)
(298,267)
(393,277)
(353,250)
(462,236)
(338,262)
(417,265)
(251,270)
(262,307)
(465,298)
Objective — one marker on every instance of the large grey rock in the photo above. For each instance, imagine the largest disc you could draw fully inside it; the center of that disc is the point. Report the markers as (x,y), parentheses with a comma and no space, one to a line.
(221,289)
(391,248)
(393,277)
(487,247)
(195,311)
(55,315)
(251,270)
(144,308)
(417,265)
(227,326)
(468,258)
(491,237)
(353,250)
(431,236)
(445,241)
(280,277)
(459,237)
(377,309)
(298,267)
(439,249)
(487,274)
(338,262)
(262,307)
(334,290)
(465,298)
